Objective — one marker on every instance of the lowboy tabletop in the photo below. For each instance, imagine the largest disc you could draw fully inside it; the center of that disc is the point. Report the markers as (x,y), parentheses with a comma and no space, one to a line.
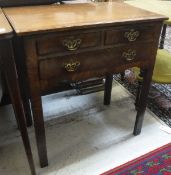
(36,19)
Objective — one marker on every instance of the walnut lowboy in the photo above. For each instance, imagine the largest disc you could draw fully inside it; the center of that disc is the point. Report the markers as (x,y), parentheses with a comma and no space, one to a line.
(80,41)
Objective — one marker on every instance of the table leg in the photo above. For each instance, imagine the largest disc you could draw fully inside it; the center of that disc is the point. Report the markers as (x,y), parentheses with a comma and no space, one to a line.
(108,89)
(39,129)
(162,37)
(13,86)
(36,103)
(27,109)
(142,101)
(139,89)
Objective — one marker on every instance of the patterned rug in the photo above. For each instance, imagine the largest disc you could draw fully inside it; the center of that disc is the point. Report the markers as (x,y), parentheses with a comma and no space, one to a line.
(157,162)
(159,99)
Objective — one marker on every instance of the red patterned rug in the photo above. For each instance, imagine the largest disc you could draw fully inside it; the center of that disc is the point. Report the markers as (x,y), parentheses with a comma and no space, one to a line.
(157,162)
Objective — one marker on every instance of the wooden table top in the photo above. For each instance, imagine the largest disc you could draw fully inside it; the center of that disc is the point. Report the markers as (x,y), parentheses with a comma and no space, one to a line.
(37,19)
(157,6)
(5,28)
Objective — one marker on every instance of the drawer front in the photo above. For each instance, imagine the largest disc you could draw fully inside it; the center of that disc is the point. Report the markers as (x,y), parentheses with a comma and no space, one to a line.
(68,43)
(95,63)
(129,34)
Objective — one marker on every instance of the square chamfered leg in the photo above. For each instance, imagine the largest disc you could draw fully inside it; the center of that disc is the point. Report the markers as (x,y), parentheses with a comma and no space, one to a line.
(108,89)
(35,96)
(141,101)
(20,64)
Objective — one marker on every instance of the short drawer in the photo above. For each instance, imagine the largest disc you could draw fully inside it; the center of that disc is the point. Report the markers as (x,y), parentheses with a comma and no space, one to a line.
(129,34)
(68,42)
(94,63)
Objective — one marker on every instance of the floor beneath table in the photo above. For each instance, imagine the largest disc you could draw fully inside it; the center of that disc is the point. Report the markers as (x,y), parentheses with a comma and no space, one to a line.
(83,136)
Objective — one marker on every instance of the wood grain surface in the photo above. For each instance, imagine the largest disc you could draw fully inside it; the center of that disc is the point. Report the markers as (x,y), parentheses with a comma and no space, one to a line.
(37,19)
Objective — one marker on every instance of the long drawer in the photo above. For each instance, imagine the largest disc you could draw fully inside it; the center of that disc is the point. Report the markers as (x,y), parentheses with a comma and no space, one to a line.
(84,65)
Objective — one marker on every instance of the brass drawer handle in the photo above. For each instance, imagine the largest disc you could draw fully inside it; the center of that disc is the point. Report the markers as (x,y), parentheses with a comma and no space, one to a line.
(132,35)
(129,55)
(71,43)
(71,66)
